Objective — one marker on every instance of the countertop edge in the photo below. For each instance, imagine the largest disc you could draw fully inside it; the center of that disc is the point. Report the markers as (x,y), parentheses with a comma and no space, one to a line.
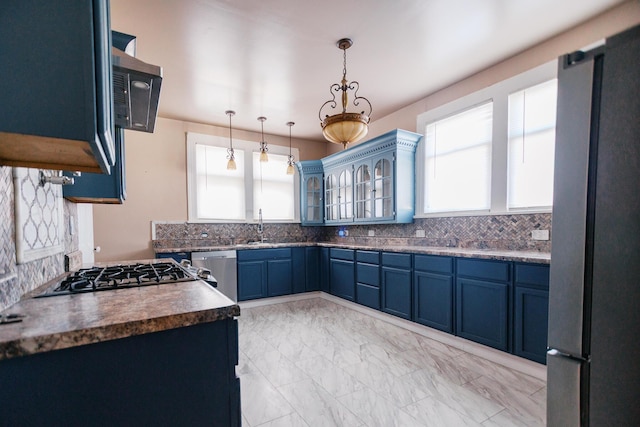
(29,345)
(492,254)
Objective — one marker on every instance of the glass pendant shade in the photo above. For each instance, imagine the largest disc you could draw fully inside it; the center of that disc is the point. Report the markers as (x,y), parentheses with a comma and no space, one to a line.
(345,128)
(263,144)
(231,164)
(263,156)
(290,169)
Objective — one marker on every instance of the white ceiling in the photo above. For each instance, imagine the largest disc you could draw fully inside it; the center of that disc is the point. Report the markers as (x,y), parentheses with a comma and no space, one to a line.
(277,58)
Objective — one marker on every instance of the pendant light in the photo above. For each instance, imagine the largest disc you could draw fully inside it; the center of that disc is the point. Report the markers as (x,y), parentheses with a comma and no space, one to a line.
(263,143)
(343,127)
(290,170)
(231,164)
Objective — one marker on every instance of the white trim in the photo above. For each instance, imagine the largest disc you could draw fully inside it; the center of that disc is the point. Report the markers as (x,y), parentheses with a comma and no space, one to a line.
(519,364)
(499,94)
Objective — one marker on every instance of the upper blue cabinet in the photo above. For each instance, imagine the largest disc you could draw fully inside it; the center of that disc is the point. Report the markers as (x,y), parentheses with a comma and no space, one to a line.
(311,205)
(370,183)
(56,104)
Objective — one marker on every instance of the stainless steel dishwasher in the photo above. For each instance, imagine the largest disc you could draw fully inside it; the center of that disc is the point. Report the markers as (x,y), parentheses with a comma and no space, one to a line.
(222,265)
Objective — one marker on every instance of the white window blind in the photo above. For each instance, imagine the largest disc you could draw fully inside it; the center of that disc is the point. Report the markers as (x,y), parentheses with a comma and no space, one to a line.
(532,121)
(273,189)
(220,192)
(458,161)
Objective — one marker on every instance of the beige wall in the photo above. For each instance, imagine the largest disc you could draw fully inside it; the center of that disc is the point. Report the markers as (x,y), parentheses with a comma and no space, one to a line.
(156,180)
(156,163)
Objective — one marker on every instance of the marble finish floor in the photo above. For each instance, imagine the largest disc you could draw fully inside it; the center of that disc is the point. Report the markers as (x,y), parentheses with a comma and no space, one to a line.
(317,363)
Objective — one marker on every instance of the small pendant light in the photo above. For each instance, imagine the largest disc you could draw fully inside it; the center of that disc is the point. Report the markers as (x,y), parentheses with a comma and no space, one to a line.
(231,164)
(290,170)
(263,144)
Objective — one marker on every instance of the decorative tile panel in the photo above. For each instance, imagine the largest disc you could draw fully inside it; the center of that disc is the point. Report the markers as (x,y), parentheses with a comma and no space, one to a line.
(18,279)
(38,218)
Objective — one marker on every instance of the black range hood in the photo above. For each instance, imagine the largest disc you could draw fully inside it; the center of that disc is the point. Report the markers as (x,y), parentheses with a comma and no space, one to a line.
(136,86)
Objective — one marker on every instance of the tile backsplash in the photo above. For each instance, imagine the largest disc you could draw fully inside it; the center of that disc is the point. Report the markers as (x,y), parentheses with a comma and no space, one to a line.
(18,279)
(503,232)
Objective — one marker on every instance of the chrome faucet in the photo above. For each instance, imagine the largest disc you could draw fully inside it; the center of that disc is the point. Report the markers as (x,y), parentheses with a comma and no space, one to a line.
(260,226)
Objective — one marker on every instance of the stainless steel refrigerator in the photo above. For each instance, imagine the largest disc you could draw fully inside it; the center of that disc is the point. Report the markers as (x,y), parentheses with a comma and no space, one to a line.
(593,362)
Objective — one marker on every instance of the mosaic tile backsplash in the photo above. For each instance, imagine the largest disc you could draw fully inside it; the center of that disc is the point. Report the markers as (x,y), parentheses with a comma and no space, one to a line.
(500,232)
(18,279)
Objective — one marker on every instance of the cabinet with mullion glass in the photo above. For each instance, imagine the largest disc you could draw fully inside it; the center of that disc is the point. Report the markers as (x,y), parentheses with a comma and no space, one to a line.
(311,192)
(374,194)
(338,195)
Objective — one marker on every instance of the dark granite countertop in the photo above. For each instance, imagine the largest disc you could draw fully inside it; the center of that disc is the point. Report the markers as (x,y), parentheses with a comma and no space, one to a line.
(63,321)
(502,255)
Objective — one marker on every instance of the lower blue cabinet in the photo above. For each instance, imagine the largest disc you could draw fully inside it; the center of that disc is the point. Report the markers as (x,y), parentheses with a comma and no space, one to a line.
(368,278)
(312,269)
(482,312)
(396,284)
(252,280)
(177,256)
(530,323)
(531,306)
(342,273)
(433,291)
(264,273)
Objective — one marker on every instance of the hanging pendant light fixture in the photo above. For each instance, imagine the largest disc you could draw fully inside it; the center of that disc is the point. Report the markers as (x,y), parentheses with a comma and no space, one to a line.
(343,127)
(231,164)
(263,143)
(290,169)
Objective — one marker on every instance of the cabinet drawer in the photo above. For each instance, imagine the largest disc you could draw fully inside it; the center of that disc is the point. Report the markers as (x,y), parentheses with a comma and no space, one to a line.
(346,254)
(483,269)
(264,254)
(433,263)
(532,274)
(396,260)
(371,257)
(368,274)
(368,295)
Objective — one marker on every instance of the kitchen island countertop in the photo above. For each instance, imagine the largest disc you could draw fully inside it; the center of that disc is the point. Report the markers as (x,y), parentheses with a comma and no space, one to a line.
(64,321)
(495,254)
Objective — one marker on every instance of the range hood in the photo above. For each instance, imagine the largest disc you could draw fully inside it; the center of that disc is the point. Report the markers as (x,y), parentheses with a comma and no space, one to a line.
(136,86)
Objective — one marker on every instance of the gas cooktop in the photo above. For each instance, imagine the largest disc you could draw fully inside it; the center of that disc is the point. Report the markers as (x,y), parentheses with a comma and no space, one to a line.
(120,276)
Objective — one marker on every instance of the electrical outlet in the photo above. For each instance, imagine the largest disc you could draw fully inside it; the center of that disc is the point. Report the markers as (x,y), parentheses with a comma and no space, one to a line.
(539,234)
(372,233)
(420,233)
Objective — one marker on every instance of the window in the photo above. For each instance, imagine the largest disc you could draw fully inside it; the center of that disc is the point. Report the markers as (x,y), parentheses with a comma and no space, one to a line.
(218,194)
(272,188)
(215,183)
(532,126)
(471,160)
(458,161)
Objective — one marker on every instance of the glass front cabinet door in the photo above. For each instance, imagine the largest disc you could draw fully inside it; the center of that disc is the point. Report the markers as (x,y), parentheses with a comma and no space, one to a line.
(311,192)
(374,189)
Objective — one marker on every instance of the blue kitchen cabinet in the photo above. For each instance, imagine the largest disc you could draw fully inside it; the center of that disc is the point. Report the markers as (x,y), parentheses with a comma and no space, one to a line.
(372,182)
(175,377)
(338,187)
(299,269)
(342,273)
(264,273)
(57,108)
(325,274)
(312,270)
(101,188)
(311,192)
(177,256)
(433,291)
(482,301)
(368,278)
(531,296)
(396,284)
